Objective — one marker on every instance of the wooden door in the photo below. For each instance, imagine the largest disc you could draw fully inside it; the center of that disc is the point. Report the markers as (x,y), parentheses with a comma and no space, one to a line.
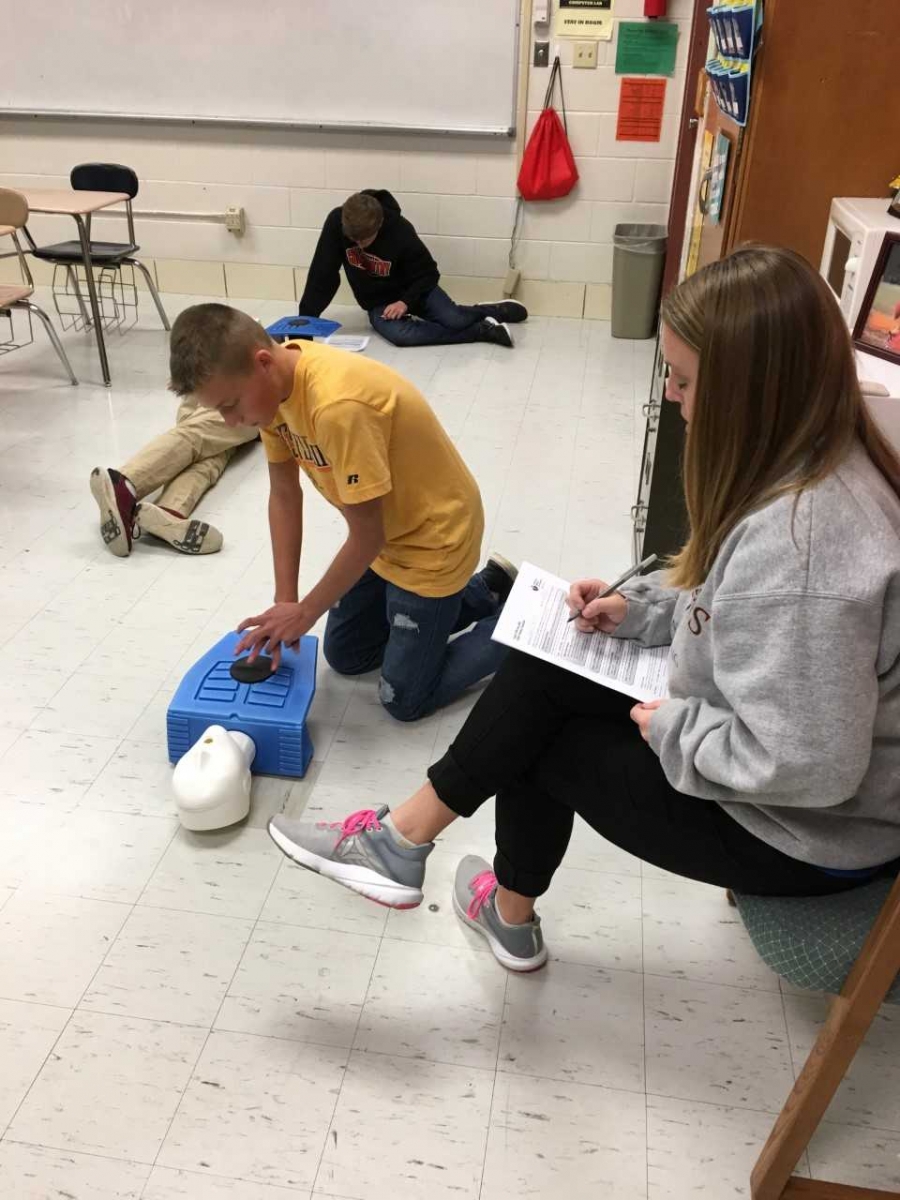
(822,119)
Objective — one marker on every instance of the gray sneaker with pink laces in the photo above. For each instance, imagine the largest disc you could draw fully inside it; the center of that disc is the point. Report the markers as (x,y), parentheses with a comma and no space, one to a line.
(516,947)
(366,854)
(360,853)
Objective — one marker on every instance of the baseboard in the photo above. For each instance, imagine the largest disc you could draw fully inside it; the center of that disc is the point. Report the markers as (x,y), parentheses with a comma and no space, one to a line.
(263,281)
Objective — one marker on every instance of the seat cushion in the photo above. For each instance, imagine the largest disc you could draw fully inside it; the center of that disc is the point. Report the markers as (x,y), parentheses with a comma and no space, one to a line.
(813,941)
(70,252)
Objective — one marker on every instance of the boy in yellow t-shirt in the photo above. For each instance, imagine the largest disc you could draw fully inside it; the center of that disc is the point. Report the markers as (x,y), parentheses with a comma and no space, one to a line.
(402,583)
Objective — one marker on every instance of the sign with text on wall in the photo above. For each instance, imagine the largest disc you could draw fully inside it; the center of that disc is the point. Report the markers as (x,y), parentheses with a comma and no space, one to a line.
(585,19)
(641,103)
(646,48)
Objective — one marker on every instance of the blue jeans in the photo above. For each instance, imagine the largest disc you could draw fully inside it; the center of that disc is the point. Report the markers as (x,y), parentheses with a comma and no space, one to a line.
(377,624)
(437,321)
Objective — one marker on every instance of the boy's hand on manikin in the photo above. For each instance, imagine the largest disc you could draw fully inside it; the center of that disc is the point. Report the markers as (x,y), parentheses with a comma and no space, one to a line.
(283,623)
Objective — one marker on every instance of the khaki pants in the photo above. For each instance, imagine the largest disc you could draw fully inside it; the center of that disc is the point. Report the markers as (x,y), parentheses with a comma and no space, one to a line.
(186,460)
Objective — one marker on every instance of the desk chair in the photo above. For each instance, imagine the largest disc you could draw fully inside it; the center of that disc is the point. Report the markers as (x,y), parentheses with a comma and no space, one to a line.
(846,944)
(14,214)
(101,177)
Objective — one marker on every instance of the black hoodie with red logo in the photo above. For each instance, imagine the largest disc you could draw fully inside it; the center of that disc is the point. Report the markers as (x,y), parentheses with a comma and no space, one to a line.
(397,265)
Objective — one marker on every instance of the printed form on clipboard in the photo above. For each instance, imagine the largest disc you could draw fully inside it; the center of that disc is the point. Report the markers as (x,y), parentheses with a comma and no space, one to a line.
(535,620)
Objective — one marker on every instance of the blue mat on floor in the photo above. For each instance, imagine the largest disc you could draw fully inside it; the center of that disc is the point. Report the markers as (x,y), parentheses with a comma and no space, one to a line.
(291,329)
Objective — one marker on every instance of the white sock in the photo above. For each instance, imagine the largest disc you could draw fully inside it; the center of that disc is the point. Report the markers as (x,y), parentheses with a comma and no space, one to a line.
(403,842)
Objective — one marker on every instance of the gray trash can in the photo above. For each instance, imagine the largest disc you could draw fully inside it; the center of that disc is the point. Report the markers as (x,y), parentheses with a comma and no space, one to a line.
(639,253)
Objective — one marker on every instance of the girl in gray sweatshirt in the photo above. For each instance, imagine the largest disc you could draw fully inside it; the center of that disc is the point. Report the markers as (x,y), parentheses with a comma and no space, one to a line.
(773,767)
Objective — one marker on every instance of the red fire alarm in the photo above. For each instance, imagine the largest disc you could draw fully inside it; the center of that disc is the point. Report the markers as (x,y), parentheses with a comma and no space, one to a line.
(654,8)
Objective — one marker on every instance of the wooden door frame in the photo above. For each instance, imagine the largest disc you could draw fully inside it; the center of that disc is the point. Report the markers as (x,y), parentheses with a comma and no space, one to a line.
(687,136)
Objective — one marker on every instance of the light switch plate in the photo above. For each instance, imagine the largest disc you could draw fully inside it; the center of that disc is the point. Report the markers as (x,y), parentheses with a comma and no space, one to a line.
(585,54)
(542,54)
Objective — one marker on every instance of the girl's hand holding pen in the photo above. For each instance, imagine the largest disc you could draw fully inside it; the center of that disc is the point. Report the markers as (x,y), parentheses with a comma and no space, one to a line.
(597,605)
(596,614)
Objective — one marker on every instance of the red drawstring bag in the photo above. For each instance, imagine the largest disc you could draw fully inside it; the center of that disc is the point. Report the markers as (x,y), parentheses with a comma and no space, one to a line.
(548,169)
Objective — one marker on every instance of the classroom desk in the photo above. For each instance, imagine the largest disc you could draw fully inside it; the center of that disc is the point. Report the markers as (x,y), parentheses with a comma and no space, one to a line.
(6,230)
(78,205)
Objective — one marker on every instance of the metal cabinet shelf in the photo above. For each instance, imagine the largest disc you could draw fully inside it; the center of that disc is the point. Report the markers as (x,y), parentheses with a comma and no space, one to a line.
(658,515)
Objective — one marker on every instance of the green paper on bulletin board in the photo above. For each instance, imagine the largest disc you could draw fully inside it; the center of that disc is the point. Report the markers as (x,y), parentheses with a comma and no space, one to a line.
(646,48)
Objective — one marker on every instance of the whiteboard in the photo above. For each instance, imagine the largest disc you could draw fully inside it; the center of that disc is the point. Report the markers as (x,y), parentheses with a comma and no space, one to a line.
(429,65)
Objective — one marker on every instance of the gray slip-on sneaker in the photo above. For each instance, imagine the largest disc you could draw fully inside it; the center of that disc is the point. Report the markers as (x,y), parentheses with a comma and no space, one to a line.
(516,947)
(359,853)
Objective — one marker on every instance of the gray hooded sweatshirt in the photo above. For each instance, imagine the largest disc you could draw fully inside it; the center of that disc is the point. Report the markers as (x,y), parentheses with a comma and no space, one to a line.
(784,672)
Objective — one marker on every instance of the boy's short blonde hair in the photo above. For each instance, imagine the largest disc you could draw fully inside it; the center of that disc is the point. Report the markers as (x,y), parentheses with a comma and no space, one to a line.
(361,216)
(208,340)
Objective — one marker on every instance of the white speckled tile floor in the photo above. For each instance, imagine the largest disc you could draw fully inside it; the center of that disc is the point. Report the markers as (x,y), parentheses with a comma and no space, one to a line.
(189,1017)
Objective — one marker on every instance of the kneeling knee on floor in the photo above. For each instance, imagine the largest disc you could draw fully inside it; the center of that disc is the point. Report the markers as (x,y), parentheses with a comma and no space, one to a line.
(342,659)
(401,705)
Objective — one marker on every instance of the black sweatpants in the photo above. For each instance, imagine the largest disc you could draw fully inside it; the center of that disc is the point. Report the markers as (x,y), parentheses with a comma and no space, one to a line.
(550,744)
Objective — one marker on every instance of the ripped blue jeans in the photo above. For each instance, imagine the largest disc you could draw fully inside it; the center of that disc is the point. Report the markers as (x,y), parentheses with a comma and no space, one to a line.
(377,624)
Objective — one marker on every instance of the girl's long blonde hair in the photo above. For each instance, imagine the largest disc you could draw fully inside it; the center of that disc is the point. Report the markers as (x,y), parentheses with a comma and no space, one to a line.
(778,404)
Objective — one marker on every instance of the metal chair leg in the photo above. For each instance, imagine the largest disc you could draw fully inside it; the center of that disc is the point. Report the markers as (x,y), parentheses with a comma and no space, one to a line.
(53,336)
(153,292)
(92,294)
(85,315)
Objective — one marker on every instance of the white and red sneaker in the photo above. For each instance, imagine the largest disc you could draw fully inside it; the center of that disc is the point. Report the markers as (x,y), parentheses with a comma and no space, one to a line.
(118,509)
(184,534)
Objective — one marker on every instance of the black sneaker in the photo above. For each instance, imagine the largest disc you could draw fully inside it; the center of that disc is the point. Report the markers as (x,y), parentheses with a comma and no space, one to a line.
(499,575)
(491,330)
(505,310)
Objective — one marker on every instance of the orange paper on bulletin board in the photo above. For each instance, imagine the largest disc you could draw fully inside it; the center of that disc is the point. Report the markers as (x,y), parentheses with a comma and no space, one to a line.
(641,110)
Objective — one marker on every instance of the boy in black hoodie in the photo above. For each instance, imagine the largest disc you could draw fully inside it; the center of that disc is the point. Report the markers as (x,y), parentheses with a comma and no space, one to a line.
(395,279)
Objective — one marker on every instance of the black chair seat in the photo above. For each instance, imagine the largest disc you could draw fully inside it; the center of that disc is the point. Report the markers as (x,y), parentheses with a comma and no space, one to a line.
(70,252)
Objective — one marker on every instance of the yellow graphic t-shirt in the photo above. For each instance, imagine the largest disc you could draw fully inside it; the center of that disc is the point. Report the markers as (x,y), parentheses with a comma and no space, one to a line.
(359,431)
